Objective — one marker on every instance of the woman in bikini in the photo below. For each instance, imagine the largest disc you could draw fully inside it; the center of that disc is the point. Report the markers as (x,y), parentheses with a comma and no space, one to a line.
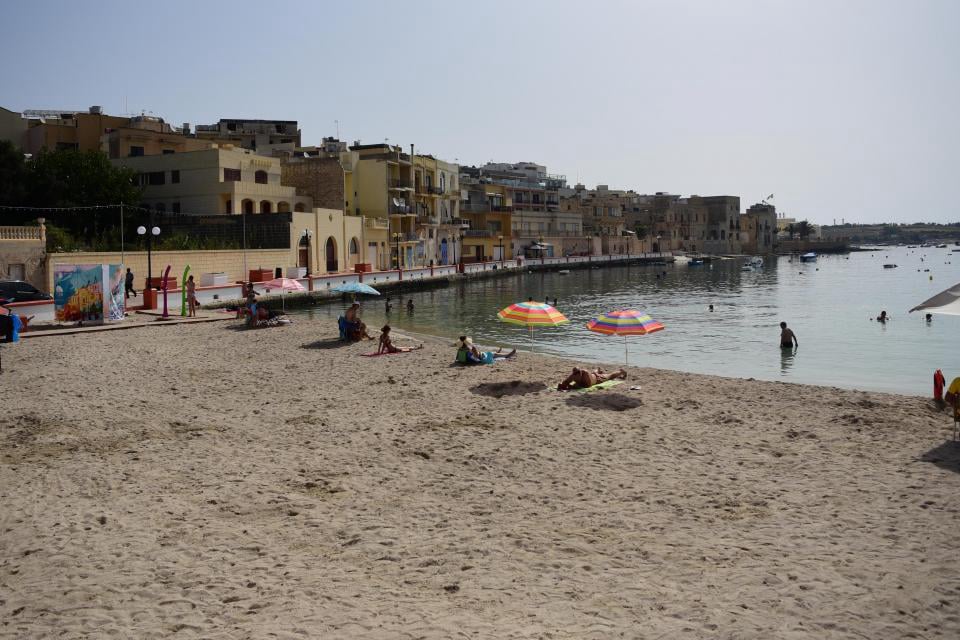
(386,345)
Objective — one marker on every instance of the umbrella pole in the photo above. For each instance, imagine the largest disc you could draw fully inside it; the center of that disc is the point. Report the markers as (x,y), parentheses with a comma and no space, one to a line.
(626,355)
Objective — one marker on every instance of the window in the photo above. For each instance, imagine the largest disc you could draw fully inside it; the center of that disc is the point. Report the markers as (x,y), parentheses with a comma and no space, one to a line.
(260,177)
(231,175)
(175,176)
(156,178)
(175,207)
(136,152)
(167,152)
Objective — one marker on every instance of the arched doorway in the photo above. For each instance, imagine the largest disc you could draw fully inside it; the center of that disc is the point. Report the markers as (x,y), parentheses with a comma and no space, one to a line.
(283,207)
(248,206)
(354,256)
(303,252)
(443,251)
(266,206)
(331,253)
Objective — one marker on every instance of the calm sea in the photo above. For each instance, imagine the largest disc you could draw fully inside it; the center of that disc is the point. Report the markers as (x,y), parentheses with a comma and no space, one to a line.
(829,304)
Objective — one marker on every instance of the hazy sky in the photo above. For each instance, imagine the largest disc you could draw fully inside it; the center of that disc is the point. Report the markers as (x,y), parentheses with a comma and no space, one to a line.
(842,109)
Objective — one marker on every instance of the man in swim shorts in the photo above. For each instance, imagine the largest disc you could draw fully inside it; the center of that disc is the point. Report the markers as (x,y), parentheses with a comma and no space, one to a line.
(787,338)
(584,378)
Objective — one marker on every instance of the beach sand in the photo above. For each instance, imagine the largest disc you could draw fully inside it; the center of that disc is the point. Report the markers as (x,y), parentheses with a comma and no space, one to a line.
(203,481)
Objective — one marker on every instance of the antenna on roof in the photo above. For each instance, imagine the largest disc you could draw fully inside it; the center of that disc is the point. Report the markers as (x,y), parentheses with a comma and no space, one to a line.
(337,123)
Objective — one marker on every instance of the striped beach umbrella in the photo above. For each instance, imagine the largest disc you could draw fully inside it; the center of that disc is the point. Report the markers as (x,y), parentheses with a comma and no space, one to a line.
(628,322)
(532,314)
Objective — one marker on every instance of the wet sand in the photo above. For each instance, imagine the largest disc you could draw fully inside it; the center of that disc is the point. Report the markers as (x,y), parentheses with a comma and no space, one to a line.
(202,481)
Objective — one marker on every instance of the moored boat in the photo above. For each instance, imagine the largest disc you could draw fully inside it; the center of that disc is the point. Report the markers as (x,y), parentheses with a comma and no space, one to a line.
(808,257)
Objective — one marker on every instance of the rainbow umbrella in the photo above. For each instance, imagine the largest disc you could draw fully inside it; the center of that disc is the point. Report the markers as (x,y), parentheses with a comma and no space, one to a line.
(628,322)
(532,314)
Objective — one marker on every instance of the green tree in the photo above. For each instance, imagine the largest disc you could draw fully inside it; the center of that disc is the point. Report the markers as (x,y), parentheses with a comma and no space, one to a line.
(13,175)
(77,179)
(804,229)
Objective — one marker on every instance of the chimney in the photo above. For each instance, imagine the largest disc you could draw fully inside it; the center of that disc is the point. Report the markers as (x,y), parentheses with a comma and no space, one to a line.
(96,110)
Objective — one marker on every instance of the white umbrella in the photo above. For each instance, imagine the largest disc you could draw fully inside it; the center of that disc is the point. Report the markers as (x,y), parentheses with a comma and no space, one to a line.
(946,302)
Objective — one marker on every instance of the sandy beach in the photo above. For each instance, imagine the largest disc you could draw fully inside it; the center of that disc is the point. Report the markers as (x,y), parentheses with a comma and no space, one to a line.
(203,481)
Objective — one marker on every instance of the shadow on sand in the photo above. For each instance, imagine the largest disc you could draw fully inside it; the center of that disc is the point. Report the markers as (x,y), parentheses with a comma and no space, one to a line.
(329,343)
(509,388)
(946,456)
(601,401)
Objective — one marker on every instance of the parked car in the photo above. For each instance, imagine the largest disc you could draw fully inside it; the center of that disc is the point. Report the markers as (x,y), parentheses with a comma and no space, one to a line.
(20,291)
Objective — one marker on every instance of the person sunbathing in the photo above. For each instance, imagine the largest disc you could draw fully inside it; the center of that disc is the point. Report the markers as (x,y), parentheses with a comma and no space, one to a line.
(468,353)
(584,378)
(387,346)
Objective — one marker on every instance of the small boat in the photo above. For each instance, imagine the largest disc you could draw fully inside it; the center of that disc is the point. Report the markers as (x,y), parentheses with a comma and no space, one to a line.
(808,257)
(941,246)
(695,262)
(563,272)
(889,266)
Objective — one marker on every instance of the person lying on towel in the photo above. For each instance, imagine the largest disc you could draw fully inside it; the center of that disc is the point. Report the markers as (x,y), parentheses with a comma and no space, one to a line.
(584,378)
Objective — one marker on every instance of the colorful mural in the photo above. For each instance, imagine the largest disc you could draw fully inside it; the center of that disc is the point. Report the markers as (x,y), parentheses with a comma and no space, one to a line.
(81,292)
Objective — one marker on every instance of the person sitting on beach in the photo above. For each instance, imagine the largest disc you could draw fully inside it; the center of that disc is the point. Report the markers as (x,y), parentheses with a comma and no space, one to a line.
(387,346)
(787,338)
(11,325)
(356,329)
(468,353)
(584,378)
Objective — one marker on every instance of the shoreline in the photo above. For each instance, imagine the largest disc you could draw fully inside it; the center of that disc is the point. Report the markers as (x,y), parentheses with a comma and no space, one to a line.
(274,481)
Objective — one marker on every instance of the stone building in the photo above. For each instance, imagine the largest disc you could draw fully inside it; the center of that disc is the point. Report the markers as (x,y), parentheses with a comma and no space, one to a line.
(23,254)
(218,180)
(758,229)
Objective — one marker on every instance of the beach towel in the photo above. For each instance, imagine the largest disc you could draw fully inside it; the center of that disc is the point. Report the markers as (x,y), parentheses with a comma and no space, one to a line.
(597,387)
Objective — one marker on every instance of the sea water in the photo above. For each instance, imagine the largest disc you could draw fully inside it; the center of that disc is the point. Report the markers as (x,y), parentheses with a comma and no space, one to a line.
(831,305)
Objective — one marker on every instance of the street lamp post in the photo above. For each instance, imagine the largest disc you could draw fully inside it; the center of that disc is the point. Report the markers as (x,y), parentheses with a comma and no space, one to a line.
(154,231)
(500,239)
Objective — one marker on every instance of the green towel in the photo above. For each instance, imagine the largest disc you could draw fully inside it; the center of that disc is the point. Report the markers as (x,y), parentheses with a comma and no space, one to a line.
(598,387)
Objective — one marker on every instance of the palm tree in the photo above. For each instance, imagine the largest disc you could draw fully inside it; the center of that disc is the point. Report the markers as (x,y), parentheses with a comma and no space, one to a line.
(804,228)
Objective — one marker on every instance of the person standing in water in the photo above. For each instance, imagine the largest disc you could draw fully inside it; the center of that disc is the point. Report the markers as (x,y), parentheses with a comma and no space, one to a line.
(788,338)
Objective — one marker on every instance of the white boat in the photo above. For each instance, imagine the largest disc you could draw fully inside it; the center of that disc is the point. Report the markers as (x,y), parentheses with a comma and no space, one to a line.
(563,272)
(808,257)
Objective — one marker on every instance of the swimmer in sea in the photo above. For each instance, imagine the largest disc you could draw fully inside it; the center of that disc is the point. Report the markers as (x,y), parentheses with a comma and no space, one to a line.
(788,339)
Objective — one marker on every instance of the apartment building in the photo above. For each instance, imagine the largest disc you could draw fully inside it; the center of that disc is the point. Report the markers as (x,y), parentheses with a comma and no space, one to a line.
(261,136)
(217,180)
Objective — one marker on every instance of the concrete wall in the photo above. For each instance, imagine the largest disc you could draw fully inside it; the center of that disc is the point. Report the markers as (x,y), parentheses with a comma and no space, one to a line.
(229,262)
(24,246)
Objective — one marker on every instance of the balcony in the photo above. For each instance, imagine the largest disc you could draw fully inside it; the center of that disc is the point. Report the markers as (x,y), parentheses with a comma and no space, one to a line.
(460,222)
(427,220)
(400,210)
(403,185)
(477,233)
(377,223)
